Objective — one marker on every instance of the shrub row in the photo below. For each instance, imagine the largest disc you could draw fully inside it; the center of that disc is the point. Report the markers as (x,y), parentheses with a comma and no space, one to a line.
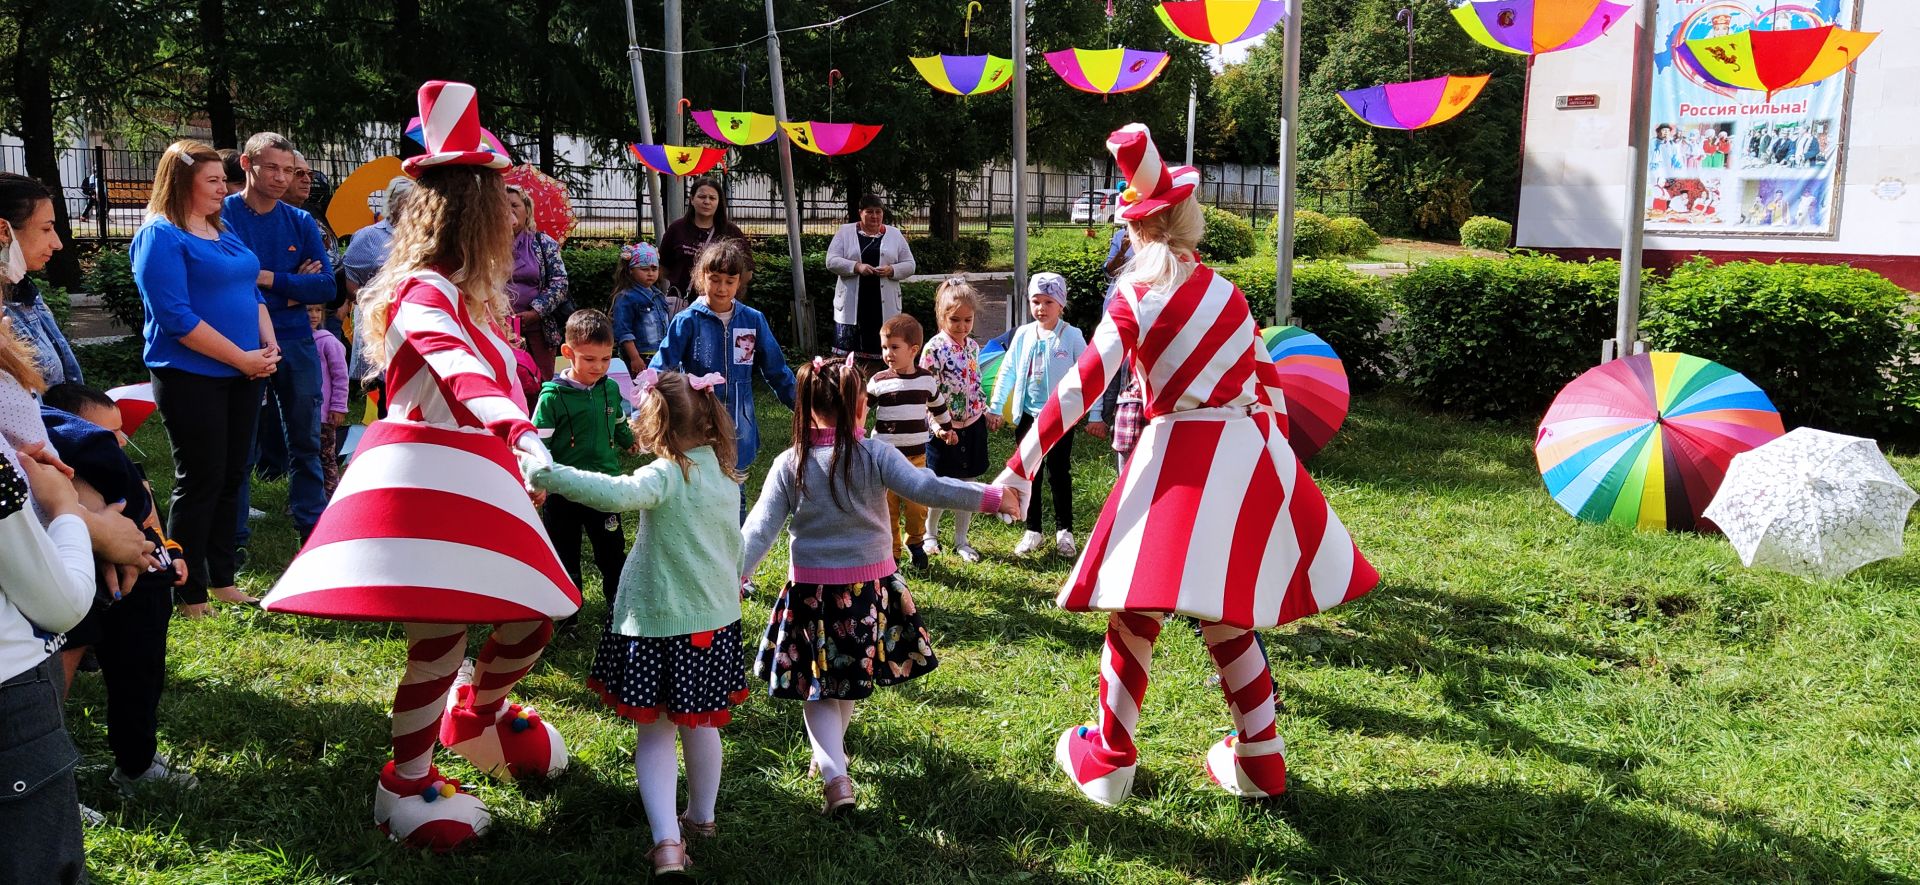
(1490,234)
(1317,236)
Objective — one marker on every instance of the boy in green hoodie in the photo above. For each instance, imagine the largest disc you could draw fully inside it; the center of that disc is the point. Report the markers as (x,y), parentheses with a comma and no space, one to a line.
(582,408)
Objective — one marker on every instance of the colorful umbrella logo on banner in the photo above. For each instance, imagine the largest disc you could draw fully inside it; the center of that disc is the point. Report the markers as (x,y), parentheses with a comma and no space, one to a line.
(1530,27)
(416,131)
(831,139)
(1772,61)
(739,128)
(1315,385)
(1220,21)
(965,74)
(1415,105)
(552,208)
(668,159)
(1107,71)
(1645,441)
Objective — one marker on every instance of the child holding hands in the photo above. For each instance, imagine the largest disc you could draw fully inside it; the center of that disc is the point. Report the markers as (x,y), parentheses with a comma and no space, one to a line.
(582,407)
(844,623)
(908,414)
(954,359)
(671,660)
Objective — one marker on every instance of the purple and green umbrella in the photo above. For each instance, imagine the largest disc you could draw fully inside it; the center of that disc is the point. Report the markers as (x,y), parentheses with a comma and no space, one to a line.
(1107,71)
(965,74)
(1415,105)
(1531,27)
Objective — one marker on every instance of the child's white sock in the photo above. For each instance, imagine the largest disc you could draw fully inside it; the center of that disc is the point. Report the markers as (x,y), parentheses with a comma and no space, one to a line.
(827,730)
(701,746)
(657,773)
(961,520)
(933,523)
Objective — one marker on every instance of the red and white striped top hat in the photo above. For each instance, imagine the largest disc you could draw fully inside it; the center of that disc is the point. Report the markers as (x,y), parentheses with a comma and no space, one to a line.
(1152,187)
(450,124)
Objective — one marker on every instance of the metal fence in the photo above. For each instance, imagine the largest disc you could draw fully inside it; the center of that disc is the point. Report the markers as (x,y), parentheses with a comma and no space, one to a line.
(607,198)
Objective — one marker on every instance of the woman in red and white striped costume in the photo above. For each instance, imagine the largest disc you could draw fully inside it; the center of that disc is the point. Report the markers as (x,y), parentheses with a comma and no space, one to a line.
(432,525)
(1213,517)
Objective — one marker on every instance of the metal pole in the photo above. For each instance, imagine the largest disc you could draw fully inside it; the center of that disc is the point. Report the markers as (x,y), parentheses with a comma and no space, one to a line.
(640,108)
(802,312)
(676,198)
(1289,169)
(1016,302)
(1626,333)
(1193,106)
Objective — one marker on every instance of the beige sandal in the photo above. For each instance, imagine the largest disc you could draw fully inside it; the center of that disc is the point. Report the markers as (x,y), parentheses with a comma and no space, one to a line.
(232,596)
(706,830)
(668,857)
(837,795)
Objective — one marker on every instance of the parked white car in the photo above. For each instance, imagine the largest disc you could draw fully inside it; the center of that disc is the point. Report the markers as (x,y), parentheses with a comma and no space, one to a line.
(1095,205)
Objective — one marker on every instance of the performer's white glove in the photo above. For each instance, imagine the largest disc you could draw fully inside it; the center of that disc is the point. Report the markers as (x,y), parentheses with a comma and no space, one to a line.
(1022,488)
(533,457)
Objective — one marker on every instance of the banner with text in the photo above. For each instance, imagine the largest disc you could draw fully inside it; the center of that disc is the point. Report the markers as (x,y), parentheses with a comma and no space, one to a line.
(1727,161)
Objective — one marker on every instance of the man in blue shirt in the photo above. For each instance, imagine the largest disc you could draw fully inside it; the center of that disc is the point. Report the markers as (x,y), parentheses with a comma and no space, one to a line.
(294,272)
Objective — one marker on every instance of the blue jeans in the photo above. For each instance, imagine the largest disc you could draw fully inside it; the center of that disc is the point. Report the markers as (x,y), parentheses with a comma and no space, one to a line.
(296,385)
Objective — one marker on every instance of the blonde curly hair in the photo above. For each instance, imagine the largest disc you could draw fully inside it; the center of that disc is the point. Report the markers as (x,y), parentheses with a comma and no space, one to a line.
(457,223)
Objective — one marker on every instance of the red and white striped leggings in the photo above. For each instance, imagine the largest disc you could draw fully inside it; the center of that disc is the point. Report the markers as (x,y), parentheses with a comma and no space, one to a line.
(1128,657)
(434,653)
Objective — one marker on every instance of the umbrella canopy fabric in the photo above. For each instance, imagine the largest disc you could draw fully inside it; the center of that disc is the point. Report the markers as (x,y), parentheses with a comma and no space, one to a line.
(1315,384)
(416,130)
(739,128)
(1530,27)
(1771,61)
(552,208)
(136,404)
(1645,441)
(965,74)
(993,355)
(1415,105)
(1813,504)
(1220,21)
(351,208)
(1108,71)
(667,159)
(831,139)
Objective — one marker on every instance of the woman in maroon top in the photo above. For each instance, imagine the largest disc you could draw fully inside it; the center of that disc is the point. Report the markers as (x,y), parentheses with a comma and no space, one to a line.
(705,222)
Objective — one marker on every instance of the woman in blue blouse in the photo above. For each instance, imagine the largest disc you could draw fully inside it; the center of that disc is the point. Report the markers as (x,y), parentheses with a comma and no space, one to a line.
(208,344)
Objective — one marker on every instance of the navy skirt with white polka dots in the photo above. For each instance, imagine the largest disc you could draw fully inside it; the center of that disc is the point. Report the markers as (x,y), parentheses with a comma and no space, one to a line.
(693,680)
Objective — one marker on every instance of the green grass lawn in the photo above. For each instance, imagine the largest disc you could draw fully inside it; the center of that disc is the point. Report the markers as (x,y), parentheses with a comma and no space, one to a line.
(1525,699)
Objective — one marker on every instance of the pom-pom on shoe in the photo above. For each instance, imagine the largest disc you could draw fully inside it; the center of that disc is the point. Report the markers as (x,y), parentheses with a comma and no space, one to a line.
(431,812)
(509,742)
(1252,770)
(1105,784)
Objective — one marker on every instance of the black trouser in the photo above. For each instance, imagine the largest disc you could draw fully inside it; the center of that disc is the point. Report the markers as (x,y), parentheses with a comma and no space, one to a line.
(1057,471)
(210,424)
(132,649)
(566,520)
(38,797)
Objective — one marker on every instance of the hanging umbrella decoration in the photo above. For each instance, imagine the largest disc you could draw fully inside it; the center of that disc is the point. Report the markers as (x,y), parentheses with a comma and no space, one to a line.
(965,75)
(1108,71)
(737,128)
(1773,61)
(552,208)
(1220,22)
(668,159)
(1415,105)
(1314,383)
(831,139)
(1645,441)
(1532,27)
(1813,504)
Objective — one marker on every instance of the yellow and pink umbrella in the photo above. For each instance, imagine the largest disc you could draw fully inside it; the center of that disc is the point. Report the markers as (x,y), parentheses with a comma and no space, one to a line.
(965,74)
(1531,27)
(1107,71)
(1220,21)
(1771,61)
(1415,105)
(738,128)
(668,159)
(831,139)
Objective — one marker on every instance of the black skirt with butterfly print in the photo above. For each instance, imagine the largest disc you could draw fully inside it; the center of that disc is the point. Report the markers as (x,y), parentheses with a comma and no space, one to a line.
(837,641)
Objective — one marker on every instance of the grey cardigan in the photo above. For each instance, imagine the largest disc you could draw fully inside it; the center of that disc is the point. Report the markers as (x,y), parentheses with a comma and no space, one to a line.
(844,252)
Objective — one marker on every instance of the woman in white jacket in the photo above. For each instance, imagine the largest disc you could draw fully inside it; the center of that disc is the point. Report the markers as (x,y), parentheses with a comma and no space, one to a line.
(871,258)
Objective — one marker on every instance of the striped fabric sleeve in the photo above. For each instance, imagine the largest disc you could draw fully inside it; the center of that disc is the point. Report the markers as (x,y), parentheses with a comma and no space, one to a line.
(1272,395)
(462,376)
(1080,391)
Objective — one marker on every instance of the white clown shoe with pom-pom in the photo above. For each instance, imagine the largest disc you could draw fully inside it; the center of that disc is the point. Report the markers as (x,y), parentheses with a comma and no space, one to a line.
(1253,770)
(1105,784)
(509,743)
(431,812)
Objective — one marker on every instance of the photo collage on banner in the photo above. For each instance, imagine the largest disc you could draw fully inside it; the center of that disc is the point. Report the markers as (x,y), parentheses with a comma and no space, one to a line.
(1727,161)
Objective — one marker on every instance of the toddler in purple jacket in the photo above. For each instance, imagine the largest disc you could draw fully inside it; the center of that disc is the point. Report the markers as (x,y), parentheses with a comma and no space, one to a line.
(333,394)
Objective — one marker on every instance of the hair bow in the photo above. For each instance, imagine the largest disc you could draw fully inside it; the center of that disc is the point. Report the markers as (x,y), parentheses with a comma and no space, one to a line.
(705,382)
(643,383)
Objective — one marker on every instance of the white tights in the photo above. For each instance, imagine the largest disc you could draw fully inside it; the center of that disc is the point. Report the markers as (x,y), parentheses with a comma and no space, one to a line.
(658,774)
(827,723)
(961,520)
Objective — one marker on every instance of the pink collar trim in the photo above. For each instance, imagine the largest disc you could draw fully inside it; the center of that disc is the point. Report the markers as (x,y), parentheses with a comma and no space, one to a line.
(824,436)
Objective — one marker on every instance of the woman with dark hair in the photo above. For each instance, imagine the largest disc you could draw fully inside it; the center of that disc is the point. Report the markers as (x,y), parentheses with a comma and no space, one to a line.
(26,213)
(705,222)
(871,258)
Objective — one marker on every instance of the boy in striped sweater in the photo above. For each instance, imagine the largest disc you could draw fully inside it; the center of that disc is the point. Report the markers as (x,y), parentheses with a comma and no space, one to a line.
(907,410)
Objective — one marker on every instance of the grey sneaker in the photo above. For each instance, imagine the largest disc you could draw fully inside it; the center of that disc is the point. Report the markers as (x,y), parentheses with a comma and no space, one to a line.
(91,818)
(160,772)
(1030,543)
(1063,542)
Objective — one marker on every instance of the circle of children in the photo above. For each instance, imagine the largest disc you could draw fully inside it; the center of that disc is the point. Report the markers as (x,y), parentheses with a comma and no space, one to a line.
(436,523)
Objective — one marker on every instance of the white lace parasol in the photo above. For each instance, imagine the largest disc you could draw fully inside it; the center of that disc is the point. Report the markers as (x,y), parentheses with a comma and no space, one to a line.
(1814,504)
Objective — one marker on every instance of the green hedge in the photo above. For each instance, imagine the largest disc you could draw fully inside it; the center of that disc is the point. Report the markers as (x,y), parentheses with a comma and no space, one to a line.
(1489,337)
(1354,235)
(113,363)
(931,256)
(1084,266)
(1314,236)
(1491,234)
(590,275)
(1833,347)
(1229,237)
(1352,311)
(111,277)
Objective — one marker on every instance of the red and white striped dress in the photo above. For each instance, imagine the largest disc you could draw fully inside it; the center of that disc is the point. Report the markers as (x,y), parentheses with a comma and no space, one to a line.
(430,522)
(1213,516)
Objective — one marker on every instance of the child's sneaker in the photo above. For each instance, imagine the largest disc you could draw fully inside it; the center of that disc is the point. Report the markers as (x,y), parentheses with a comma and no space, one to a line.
(431,812)
(1063,542)
(1030,543)
(1098,781)
(932,546)
(967,553)
(1254,770)
(919,557)
(508,741)
(160,771)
